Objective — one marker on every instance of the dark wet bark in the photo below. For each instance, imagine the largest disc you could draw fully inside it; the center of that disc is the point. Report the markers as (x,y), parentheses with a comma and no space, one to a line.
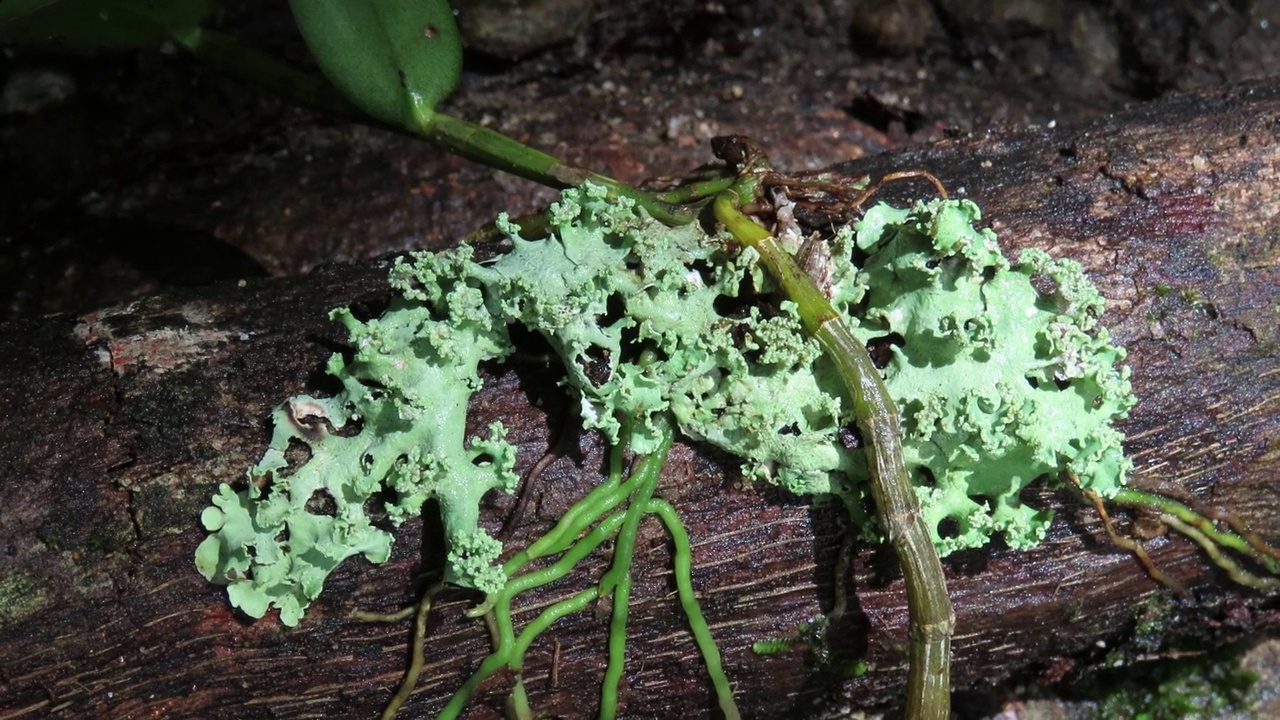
(119,424)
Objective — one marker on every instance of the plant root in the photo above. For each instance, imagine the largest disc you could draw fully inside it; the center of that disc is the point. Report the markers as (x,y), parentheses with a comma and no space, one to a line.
(417,643)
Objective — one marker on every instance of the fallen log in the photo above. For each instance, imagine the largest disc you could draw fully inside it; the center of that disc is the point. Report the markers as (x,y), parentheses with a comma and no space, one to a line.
(120,423)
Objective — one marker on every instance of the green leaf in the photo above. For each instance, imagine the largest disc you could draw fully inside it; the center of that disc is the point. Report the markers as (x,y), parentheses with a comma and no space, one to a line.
(394,59)
(97,24)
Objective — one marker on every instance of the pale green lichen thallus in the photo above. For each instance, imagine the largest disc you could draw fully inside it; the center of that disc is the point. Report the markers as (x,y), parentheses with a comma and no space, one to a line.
(1000,384)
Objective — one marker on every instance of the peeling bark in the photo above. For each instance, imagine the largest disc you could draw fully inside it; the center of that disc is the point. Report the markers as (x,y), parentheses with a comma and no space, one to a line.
(119,424)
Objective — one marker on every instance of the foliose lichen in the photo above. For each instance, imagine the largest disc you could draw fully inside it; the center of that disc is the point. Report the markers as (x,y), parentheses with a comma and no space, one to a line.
(397,428)
(1001,371)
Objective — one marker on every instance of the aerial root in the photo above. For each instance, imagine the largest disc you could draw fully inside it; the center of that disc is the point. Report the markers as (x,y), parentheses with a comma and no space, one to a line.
(1201,527)
(376,617)
(1255,541)
(1132,545)
(416,644)
(1231,567)
(837,195)
(901,175)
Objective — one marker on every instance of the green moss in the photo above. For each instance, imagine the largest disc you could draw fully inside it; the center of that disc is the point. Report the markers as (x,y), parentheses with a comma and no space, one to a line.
(1151,617)
(161,415)
(154,510)
(822,661)
(20,595)
(1202,687)
(773,646)
(1192,296)
(855,669)
(109,538)
(1074,611)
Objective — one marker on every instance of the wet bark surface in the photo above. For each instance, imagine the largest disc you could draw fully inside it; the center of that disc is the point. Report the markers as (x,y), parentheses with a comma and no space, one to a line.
(120,423)
(124,412)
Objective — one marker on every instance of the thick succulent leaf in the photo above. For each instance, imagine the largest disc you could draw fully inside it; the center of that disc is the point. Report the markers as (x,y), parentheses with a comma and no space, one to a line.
(395,59)
(97,24)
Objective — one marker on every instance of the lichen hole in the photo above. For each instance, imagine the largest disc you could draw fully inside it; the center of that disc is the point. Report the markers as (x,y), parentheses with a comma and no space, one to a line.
(881,348)
(296,454)
(322,502)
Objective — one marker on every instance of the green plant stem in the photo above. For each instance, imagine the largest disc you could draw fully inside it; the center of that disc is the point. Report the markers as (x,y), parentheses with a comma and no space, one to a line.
(518,702)
(932,619)
(639,488)
(590,508)
(488,147)
(683,561)
(617,648)
(504,653)
(561,567)
(618,579)
(646,478)
(473,142)
(509,648)
(698,190)
(538,625)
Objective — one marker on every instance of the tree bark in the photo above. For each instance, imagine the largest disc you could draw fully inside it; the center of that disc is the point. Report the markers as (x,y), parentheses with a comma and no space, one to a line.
(120,423)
